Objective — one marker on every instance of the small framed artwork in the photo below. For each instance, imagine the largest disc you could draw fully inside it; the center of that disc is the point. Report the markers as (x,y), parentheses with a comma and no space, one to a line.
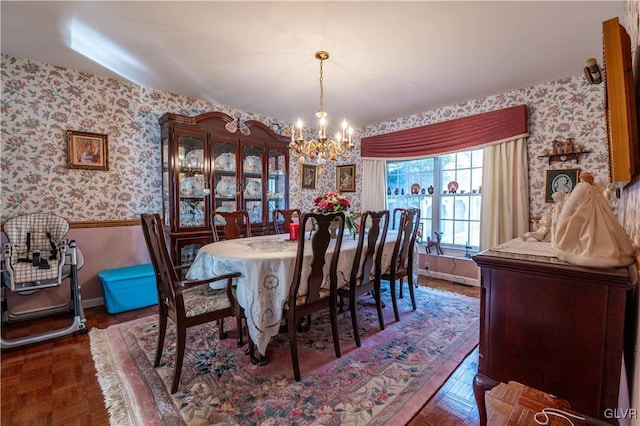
(87,151)
(346,178)
(309,176)
(560,180)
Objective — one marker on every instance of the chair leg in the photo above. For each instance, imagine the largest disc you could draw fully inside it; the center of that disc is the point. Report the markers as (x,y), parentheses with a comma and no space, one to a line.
(394,302)
(304,324)
(378,298)
(162,331)
(354,319)
(240,330)
(294,348)
(333,316)
(179,355)
(260,360)
(401,285)
(411,292)
(221,334)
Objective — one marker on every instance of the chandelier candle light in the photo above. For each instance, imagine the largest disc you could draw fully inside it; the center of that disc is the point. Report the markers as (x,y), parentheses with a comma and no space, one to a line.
(322,147)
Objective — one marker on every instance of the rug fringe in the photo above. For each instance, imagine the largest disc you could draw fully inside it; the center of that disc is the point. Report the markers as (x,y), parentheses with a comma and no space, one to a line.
(113,387)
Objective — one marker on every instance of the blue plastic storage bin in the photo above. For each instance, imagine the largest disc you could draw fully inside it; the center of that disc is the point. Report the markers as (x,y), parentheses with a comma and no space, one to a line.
(128,288)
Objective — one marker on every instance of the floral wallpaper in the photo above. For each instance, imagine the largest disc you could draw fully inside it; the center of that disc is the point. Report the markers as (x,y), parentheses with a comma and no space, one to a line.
(568,108)
(40,102)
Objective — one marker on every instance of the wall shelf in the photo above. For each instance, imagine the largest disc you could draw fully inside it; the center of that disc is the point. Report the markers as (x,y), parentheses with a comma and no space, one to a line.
(555,158)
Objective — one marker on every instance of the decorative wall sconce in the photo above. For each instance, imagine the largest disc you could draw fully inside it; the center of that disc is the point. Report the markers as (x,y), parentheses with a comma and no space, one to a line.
(592,71)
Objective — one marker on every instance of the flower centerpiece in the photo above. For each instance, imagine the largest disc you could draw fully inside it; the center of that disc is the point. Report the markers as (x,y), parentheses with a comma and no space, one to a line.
(335,202)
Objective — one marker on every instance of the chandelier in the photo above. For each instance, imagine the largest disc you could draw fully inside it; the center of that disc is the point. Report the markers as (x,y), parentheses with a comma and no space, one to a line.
(323,148)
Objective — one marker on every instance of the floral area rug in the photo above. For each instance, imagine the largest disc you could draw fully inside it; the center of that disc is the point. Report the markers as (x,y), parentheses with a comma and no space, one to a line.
(385,381)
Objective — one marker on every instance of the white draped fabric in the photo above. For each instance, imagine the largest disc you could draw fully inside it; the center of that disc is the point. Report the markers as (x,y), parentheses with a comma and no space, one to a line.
(505,193)
(374,173)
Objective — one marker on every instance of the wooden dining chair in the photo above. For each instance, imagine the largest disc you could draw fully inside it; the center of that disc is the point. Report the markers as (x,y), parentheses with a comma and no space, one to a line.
(367,266)
(401,265)
(307,294)
(287,217)
(236,225)
(396,212)
(186,303)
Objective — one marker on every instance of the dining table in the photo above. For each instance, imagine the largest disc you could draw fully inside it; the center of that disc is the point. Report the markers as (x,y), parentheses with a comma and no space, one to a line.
(266,264)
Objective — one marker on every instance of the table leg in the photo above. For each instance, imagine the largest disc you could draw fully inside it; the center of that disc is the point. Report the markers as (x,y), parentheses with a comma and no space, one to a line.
(260,360)
(481,384)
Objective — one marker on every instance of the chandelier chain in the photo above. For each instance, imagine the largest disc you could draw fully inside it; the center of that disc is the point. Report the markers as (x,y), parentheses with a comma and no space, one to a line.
(321,88)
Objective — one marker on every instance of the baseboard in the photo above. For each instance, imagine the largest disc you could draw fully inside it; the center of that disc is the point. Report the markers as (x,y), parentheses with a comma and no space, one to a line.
(92,303)
(455,278)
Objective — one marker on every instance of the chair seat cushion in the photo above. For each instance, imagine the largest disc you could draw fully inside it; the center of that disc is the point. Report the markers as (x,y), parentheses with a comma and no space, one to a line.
(201,299)
(26,272)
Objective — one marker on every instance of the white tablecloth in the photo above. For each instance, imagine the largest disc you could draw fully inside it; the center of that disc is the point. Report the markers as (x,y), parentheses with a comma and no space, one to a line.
(266,276)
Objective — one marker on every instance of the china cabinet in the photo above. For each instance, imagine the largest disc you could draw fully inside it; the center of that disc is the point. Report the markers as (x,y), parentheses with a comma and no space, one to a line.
(212,163)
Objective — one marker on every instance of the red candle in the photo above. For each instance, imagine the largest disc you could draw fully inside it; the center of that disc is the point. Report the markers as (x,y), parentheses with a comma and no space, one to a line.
(294,228)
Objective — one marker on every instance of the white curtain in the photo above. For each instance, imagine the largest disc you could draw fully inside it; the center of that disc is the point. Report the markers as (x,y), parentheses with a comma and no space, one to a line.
(374,173)
(505,193)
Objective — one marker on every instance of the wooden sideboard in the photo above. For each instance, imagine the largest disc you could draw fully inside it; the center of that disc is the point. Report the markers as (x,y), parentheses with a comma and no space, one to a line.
(553,326)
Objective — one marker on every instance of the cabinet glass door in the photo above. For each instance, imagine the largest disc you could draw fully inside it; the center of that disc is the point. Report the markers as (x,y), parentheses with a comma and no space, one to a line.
(166,198)
(252,179)
(191,182)
(224,178)
(277,181)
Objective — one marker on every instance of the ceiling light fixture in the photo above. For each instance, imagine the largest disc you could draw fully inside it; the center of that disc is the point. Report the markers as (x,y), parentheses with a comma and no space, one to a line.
(323,148)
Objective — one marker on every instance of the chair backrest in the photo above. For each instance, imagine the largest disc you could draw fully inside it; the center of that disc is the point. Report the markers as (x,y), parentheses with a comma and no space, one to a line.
(163,267)
(396,211)
(236,225)
(31,232)
(407,233)
(375,235)
(311,270)
(287,217)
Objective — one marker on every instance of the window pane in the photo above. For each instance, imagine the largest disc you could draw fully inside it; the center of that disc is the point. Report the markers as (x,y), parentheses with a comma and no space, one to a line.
(448,162)
(446,227)
(461,235)
(474,234)
(446,208)
(464,160)
(464,181)
(461,211)
(474,205)
(476,179)
(476,158)
(447,176)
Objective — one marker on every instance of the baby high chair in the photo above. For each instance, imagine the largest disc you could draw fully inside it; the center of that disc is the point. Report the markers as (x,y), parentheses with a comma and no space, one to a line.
(37,256)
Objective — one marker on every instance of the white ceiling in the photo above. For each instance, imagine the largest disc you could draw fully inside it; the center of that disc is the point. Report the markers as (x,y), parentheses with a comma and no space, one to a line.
(387,59)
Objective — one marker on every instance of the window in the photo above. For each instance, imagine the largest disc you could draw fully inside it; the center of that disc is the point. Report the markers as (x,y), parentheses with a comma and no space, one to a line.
(443,208)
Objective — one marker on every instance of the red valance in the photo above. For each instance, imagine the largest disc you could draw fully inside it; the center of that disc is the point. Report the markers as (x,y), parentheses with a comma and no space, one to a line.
(448,136)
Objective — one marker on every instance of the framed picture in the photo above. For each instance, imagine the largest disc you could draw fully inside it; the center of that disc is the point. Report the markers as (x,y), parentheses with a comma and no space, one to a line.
(346,178)
(309,176)
(87,151)
(560,180)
